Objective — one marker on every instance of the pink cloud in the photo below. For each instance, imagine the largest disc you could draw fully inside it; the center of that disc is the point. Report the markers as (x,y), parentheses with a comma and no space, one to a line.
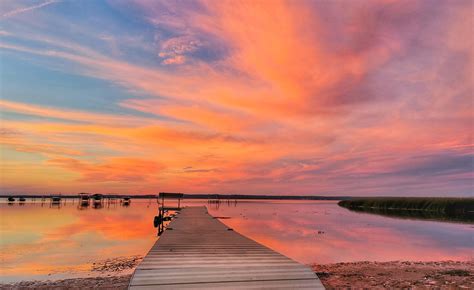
(307,97)
(115,169)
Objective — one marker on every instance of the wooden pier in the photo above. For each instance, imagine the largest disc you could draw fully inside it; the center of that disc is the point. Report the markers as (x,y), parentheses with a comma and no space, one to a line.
(197,251)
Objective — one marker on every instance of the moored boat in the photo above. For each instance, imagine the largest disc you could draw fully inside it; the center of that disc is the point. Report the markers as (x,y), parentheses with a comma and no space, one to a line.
(84,199)
(55,199)
(97,198)
(126,200)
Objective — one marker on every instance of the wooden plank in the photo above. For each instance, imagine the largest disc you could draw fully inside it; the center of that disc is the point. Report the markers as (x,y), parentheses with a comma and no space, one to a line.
(275,284)
(200,252)
(226,277)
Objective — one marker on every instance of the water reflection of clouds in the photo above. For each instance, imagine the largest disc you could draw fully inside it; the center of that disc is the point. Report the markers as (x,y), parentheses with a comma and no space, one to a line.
(348,236)
(70,239)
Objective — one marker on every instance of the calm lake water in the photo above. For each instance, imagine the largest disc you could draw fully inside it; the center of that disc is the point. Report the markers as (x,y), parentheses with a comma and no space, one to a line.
(39,241)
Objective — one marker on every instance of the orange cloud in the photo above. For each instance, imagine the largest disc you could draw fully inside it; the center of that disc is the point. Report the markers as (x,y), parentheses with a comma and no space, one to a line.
(306,96)
(115,169)
(71,115)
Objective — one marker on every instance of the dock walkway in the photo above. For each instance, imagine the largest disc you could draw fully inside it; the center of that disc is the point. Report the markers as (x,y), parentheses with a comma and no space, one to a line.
(200,252)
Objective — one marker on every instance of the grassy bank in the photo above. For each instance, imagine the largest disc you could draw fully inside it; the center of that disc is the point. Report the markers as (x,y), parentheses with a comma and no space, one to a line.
(452,209)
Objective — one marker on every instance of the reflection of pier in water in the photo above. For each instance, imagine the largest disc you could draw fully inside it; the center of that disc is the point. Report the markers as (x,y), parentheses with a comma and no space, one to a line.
(216,202)
(111,202)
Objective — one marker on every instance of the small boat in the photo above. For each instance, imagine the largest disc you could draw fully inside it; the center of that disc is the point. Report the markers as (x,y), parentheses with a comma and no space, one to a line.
(126,201)
(55,199)
(22,199)
(11,199)
(97,198)
(83,196)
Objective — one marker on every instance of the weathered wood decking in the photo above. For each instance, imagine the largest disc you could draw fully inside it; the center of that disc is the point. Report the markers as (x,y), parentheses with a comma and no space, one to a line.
(200,252)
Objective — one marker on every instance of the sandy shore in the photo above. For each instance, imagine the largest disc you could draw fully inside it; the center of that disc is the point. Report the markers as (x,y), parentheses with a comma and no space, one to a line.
(115,282)
(414,275)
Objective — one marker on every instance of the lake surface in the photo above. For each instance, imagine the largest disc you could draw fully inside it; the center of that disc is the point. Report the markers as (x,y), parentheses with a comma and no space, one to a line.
(40,241)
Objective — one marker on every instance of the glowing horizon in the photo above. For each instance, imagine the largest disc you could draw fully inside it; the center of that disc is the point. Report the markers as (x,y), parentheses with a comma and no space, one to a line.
(246,97)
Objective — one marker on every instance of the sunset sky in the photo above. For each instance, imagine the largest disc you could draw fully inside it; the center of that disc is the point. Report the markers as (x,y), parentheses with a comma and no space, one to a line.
(250,97)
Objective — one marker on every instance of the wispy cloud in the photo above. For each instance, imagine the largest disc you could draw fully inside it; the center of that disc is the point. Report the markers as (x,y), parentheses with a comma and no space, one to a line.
(174,50)
(116,169)
(74,115)
(22,10)
(300,96)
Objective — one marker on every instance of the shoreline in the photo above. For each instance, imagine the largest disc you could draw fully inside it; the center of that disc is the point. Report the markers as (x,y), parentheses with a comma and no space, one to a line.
(459,210)
(394,274)
(397,274)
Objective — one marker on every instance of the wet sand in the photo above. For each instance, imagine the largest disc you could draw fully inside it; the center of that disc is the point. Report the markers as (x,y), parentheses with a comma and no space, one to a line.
(414,275)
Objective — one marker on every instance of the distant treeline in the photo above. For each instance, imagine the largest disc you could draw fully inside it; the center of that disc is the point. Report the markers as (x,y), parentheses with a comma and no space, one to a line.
(196,196)
(449,209)
(264,197)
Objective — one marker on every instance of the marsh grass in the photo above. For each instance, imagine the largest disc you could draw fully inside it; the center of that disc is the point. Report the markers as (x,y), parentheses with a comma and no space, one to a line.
(449,209)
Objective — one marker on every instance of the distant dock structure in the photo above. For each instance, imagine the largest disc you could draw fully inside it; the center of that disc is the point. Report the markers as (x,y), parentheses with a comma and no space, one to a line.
(84,199)
(162,217)
(197,251)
